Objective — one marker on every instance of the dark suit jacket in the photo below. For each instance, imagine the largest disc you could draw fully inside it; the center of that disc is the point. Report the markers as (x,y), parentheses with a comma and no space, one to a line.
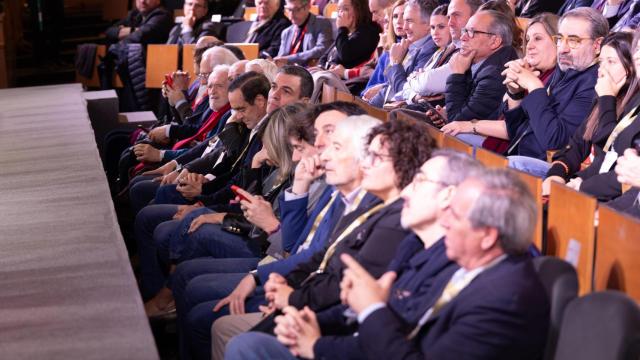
(502,314)
(202,27)
(572,4)
(546,122)
(478,95)
(603,186)
(532,8)
(268,36)
(152,28)
(417,269)
(317,40)
(373,244)
(397,74)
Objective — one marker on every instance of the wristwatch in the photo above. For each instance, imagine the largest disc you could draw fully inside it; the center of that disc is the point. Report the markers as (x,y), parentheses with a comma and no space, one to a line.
(473,126)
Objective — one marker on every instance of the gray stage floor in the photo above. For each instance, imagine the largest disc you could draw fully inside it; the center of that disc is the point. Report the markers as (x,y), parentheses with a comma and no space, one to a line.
(66,287)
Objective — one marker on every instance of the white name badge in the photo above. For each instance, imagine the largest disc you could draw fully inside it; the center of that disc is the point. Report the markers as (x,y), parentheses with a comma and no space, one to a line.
(609,159)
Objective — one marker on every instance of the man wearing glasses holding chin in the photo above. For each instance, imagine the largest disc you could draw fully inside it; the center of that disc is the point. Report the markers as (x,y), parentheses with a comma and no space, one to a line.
(543,117)
(308,37)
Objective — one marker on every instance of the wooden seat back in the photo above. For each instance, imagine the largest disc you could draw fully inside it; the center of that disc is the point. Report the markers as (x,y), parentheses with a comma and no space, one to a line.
(535,187)
(617,253)
(451,142)
(372,110)
(328,93)
(571,232)
(161,60)
(491,159)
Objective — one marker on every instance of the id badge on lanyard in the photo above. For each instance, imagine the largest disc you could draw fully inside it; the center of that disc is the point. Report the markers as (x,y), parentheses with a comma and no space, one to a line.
(609,159)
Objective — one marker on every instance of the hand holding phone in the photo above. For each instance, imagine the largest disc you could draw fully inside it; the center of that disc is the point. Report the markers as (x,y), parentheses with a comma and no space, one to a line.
(169,80)
(235,189)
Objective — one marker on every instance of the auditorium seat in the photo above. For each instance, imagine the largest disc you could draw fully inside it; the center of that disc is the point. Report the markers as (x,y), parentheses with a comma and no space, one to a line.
(161,60)
(372,110)
(570,230)
(491,159)
(328,93)
(601,325)
(561,282)
(617,265)
(535,186)
(451,142)
(237,33)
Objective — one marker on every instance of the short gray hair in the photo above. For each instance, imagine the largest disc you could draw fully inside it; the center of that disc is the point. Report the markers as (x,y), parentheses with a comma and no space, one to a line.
(599,24)
(218,55)
(458,166)
(501,25)
(426,8)
(507,205)
(359,127)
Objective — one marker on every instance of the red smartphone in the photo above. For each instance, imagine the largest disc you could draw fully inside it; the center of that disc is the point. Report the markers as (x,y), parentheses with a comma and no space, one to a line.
(235,188)
(169,80)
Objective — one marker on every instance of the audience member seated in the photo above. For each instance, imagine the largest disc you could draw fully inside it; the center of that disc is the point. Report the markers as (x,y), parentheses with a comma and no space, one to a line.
(569,5)
(612,10)
(540,55)
(417,86)
(268,27)
(185,99)
(199,284)
(394,32)
(250,96)
(194,24)
(610,129)
(488,226)
(378,10)
(543,117)
(264,67)
(411,53)
(474,89)
(237,69)
(406,140)
(627,169)
(419,260)
(148,23)
(434,81)
(307,39)
(356,40)
(532,8)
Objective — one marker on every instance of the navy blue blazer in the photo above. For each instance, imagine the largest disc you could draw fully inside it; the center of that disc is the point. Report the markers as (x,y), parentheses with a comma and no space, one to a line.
(572,4)
(478,95)
(373,244)
(502,314)
(417,269)
(547,121)
(397,74)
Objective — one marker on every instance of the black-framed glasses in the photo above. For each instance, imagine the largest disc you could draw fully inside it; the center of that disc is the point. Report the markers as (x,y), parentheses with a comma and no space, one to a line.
(294,9)
(375,159)
(572,41)
(472,32)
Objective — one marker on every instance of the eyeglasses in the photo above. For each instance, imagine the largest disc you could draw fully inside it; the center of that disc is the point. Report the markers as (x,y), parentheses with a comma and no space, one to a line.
(572,41)
(375,159)
(421,177)
(204,76)
(471,33)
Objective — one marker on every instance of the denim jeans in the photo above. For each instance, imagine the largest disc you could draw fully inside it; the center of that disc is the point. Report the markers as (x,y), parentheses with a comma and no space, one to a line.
(256,346)
(533,166)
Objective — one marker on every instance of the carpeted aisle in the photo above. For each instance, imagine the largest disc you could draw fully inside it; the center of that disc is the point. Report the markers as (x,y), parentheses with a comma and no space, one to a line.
(66,287)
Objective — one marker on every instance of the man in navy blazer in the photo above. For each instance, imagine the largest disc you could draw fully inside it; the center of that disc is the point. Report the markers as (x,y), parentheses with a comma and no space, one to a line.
(308,37)
(409,54)
(493,307)
(474,90)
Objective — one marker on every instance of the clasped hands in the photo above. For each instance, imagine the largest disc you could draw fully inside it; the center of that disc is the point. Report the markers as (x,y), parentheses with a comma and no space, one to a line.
(520,76)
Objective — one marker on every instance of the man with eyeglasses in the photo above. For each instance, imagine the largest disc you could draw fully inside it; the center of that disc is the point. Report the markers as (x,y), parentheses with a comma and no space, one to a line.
(419,259)
(308,37)
(194,24)
(268,27)
(474,90)
(542,117)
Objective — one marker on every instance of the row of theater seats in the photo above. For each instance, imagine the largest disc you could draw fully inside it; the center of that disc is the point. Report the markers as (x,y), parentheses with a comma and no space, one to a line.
(161,60)
(597,240)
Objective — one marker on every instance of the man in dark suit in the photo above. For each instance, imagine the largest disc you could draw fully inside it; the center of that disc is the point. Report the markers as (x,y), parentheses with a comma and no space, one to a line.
(474,90)
(409,54)
(419,260)
(148,23)
(268,27)
(194,24)
(492,307)
(307,39)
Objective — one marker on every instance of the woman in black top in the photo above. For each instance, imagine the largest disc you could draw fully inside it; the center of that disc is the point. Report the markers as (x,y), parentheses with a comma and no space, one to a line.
(357,37)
